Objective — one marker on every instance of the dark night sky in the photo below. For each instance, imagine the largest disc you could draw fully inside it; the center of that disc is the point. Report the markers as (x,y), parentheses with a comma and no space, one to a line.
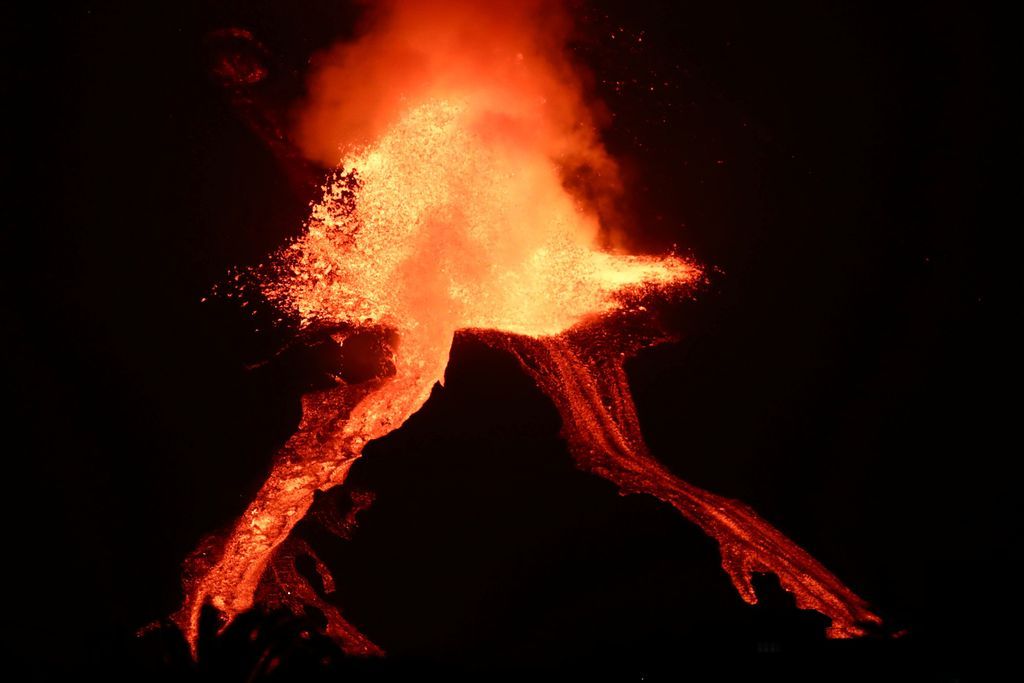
(853,173)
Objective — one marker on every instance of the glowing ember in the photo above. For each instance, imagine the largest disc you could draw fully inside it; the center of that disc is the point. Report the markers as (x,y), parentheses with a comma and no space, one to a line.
(453,215)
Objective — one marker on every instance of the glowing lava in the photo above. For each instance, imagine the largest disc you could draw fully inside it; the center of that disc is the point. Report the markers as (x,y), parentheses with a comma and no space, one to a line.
(455,217)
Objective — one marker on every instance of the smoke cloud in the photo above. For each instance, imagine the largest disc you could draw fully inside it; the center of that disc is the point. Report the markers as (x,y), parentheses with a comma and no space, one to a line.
(507,63)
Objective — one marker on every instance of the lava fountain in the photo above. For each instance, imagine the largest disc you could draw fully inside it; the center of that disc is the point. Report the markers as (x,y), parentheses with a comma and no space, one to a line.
(469,199)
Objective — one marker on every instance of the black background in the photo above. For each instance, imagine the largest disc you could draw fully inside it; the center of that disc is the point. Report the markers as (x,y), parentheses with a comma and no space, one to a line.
(851,171)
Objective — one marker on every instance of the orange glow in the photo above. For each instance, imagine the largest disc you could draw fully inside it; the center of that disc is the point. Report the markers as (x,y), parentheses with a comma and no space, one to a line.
(458,128)
(456,227)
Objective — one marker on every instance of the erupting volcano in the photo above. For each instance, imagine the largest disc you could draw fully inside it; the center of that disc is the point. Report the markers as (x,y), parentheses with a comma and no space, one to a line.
(473,197)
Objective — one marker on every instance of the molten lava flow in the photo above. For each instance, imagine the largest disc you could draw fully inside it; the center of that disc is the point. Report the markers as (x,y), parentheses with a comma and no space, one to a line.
(585,379)
(448,213)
